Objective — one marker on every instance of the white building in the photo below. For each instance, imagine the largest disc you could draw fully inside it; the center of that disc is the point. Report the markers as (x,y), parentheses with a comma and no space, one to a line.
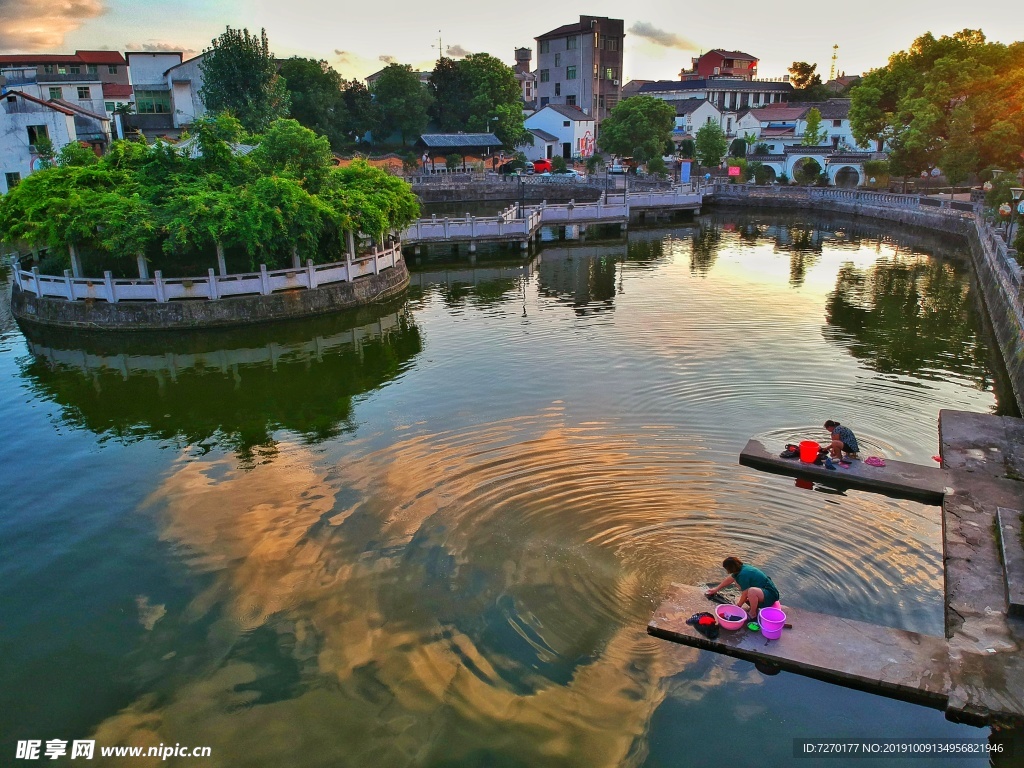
(166,90)
(572,127)
(691,114)
(545,145)
(785,125)
(25,119)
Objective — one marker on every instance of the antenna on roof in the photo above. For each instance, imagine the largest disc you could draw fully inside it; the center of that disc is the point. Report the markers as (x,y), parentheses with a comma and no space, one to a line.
(441,50)
(835,56)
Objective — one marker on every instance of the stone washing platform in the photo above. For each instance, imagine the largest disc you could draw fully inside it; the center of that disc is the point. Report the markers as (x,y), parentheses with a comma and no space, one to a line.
(980,488)
(893,662)
(896,478)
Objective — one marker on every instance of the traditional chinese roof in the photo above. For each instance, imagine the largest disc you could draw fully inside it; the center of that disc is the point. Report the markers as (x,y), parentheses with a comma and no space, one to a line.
(733,54)
(689,106)
(779,113)
(459,140)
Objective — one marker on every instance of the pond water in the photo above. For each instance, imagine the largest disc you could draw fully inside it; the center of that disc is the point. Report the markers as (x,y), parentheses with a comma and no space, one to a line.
(431,533)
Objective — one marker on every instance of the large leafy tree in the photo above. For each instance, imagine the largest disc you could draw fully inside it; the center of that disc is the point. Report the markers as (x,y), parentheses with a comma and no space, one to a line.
(240,77)
(362,115)
(814,133)
(469,95)
(279,202)
(451,93)
(402,101)
(638,126)
(711,144)
(802,75)
(317,101)
(953,100)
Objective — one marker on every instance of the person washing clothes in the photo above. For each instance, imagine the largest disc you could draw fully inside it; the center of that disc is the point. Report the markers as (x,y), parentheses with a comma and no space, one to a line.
(843,440)
(759,591)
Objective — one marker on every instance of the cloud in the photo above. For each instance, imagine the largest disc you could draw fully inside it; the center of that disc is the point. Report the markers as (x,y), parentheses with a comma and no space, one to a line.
(386,59)
(40,25)
(457,51)
(162,46)
(661,37)
(343,56)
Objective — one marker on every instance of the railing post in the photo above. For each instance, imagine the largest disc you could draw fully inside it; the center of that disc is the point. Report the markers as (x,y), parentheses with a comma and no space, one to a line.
(108,281)
(17,275)
(161,289)
(445,227)
(213,292)
(311,273)
(376,265)
(69,285)
(35,280)
(472,225)
(264,280)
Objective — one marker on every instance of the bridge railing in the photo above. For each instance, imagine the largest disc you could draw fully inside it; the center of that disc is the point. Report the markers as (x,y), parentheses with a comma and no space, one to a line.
(210,286)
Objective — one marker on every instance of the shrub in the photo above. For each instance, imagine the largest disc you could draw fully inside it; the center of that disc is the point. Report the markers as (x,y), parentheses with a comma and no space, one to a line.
(783,179)
(738,148)
(656,165)
(762,149)
(558,164)
(593,163)
(687,149)
(452,162)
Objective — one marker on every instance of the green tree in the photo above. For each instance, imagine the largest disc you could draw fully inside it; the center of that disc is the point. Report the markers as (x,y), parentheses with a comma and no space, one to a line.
(711,144)
(402,100)
(240,77)
(814,132)
(807,171)
(687,149)
(738,148)
(293,151)
(802,75)
(638,126)
(317,102)
(450,89)
(361,114)
(74,153)
(495,92)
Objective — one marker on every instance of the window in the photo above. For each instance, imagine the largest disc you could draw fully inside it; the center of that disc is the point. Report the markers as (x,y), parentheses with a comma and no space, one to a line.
(92,69)
(62,69)
(565,123)
(35,133)
(611,43)
(153,102)
(609,74)
(570,43)
(570,73)
(12,180)
(600,101)
(571,100)
(75,69)
(544,101)
(112,69)
(545,75)
(83,93)
(544,46)
(558,59)
(837,123)
(56,93)
(48,69)
(109,106)
(558,89)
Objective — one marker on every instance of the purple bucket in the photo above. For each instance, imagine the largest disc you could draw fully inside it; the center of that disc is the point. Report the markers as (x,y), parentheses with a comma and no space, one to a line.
(772,621)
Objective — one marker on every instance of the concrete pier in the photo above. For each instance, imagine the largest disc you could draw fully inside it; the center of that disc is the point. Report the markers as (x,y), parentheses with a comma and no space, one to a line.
(976,672)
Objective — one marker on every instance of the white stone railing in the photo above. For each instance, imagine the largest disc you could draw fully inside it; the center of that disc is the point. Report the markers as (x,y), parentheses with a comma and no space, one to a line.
(468,227)
(567,213)
(210,286)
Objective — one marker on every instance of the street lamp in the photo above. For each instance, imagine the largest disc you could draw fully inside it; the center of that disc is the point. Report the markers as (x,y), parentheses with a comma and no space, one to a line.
(1015,193)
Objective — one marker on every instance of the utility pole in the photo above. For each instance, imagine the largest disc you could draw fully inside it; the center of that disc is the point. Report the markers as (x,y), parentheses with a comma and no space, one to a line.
(440,48)
(835,57)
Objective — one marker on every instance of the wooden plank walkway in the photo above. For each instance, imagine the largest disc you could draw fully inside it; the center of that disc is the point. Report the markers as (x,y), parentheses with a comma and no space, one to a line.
(896,478)
(891,662)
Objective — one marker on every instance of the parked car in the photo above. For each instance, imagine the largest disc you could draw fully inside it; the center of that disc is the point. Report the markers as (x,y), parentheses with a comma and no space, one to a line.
(512,166)
(616,168)
(573,173)
(541,166)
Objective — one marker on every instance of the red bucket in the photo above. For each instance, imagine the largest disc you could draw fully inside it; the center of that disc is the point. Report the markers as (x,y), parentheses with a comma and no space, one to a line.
(809,451)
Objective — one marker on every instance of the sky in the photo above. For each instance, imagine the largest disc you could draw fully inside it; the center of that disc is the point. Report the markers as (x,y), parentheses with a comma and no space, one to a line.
(358,38)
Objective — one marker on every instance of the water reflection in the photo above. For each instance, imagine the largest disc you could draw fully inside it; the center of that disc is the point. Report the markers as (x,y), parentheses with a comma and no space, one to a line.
(581,276)
(230,388)
(909,314)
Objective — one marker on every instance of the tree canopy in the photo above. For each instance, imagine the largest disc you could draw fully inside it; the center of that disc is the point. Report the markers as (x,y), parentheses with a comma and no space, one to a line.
(240,77)
(711,144)
(952,102)
(282,198)
(317,101)
(470,93)
(814,133)
(807,82)
(638,126)
(402,102)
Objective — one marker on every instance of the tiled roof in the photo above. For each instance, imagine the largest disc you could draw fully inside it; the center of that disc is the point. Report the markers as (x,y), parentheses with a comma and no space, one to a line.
(572,112)
(75,109)
(733,54)
(566,29)
(721,84)
(543,135)
(459,140)
(48,104)
(775,133)
(101,57)
(779,113)
(116,91)
(689,106)
(83,57)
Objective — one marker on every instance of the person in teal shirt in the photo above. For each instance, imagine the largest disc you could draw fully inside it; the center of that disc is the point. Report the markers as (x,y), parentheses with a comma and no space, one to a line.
(758,589)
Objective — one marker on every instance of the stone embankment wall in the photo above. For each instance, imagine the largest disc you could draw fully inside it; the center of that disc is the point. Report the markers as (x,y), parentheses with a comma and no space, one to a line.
(998,276)
(506,190)
(239,310)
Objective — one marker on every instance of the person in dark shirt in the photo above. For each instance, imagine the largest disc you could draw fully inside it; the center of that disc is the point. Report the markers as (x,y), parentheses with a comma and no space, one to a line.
(843,440)
(759,591)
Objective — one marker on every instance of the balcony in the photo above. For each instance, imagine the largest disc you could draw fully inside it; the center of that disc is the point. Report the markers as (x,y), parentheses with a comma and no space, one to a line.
(44,78)
(15,78)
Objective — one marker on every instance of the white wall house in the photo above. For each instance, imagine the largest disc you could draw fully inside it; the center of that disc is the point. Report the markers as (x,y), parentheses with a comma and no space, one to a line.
(691,114)
(573,128)
(23,120)
(545,145)
(785,125)
(166,89)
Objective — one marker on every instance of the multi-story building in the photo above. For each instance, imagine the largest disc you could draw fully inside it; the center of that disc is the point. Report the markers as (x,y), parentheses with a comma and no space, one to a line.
(581,65)
(719,62)
(564,130)
(166,90)
(527,80)
(96,81)
(26,121)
